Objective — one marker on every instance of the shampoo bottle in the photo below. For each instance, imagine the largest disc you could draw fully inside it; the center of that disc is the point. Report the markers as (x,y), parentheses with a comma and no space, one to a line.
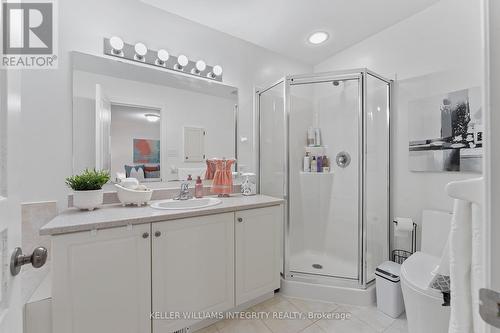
(319,161)
(198,188)
(326,164)
(314,164)
(307,163)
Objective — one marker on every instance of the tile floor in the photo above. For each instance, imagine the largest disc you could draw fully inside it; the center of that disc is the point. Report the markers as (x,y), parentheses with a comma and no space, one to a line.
(362,319)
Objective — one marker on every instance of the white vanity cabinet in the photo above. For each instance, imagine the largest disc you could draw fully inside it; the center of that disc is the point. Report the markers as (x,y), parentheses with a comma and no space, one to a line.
(101,281)
(117,279)
(193,268)
(258,250)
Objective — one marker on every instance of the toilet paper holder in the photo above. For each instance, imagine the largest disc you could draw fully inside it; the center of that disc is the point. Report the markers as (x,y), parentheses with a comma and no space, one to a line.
(399,255)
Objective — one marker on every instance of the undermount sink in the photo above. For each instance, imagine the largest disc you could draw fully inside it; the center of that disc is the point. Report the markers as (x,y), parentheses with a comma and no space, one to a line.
(186,204)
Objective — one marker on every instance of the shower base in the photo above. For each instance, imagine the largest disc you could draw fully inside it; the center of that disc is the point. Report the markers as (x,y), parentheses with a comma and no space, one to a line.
(314,290)
(309,262)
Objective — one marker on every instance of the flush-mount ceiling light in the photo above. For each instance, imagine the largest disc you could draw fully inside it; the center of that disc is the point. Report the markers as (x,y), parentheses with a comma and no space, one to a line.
(162,57)
(140,51)
(152,117)
(318,37)
(116,44)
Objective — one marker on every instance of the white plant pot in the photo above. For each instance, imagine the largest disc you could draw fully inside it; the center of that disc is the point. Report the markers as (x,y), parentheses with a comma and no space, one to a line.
(88,199)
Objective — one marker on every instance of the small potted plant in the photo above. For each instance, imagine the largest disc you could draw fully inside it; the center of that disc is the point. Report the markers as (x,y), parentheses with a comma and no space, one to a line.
(87,187)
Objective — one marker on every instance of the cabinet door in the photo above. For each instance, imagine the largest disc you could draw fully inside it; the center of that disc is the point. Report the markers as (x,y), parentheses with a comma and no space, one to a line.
(101,281)
(192,267)
(258,250)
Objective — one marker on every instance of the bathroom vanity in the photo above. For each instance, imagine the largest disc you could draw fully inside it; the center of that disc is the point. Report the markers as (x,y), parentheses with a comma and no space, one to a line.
(137,269)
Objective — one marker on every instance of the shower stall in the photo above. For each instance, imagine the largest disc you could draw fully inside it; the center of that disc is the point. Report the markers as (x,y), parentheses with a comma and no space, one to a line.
(336,221)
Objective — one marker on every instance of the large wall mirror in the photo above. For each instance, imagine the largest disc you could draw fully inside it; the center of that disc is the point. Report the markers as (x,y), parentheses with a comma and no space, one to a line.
(150,124)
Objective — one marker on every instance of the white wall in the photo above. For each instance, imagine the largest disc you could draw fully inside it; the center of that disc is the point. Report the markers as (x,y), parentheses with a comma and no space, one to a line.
(433,52)
(128,124)
(46,94)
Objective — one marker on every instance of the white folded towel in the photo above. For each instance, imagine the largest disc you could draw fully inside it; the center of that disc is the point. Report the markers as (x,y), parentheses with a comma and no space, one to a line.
(460,263)
(466,259)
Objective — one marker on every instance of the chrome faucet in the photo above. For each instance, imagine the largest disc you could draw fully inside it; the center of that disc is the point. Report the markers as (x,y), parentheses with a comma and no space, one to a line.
(184,193)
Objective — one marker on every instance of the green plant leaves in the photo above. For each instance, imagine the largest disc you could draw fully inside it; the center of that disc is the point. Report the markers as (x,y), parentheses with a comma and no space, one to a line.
(88,180)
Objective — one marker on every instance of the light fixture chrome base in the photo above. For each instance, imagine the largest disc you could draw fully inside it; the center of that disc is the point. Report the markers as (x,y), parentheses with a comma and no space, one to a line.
(128,52)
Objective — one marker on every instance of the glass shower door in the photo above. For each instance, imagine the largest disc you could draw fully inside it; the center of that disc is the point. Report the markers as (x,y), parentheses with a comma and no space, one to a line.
(324,219)
(272,141)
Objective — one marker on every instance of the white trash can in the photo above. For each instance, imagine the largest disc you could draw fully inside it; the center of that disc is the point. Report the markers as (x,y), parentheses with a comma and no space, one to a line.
(388,286)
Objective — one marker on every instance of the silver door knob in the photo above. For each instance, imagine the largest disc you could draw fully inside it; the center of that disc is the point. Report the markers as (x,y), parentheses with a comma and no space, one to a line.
(37,259)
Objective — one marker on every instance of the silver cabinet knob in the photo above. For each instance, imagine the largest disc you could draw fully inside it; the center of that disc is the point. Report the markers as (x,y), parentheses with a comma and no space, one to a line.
(145,235)
(37,259)
(240,219)
(157,233)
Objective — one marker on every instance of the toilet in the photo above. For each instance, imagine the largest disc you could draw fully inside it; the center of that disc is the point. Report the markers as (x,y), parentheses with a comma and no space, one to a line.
(424,311)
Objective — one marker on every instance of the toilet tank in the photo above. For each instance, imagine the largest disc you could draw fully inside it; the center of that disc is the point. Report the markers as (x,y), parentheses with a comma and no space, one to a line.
(435,230)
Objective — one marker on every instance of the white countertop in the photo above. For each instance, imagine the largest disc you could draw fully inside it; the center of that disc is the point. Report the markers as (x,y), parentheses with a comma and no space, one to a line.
(109,216)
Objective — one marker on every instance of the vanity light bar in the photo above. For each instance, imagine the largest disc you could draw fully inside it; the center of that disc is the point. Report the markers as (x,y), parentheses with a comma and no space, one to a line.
(139,52)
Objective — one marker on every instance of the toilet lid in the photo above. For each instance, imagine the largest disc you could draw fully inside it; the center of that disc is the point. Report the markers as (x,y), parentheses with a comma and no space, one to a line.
(417,272)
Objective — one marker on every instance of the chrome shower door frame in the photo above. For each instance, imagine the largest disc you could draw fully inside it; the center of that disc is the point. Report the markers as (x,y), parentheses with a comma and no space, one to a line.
(288,81)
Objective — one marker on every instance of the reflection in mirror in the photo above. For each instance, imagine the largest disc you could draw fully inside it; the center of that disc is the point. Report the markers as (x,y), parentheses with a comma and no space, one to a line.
(156,126)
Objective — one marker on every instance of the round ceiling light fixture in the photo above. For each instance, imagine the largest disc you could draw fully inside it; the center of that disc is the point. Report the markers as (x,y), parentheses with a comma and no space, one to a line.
(152,117)
(318,37)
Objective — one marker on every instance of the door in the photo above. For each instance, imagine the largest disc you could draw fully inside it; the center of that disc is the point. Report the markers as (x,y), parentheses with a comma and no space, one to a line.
(102,129)
(101,281)
(10,210)
(258,252)
(324,212)
(492,157)
(192,268)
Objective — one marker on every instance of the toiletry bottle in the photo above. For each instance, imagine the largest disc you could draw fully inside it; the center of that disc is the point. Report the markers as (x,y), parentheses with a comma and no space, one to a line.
(198,188)
(314,164)
(319,161)
(307,163)
(190,177)
(317,137)
(310,136)
(326,164)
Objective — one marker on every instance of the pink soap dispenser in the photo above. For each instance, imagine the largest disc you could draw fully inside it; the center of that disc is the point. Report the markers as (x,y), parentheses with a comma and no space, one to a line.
(198,188)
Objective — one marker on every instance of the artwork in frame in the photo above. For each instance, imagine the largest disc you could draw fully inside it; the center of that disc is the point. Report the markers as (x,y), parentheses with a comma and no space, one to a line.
(146,151)
(445,132)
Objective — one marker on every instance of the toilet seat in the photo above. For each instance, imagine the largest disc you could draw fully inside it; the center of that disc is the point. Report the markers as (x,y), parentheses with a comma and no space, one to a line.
(417,273)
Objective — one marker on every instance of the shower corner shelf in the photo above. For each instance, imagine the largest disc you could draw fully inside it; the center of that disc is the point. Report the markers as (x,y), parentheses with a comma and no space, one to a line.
(315,150)
(315,173)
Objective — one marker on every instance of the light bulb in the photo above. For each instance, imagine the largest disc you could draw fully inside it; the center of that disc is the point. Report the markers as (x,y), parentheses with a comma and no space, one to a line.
(199,67)
(116,44)
(140,51)
(162,57)
(182,61)
(217,70)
